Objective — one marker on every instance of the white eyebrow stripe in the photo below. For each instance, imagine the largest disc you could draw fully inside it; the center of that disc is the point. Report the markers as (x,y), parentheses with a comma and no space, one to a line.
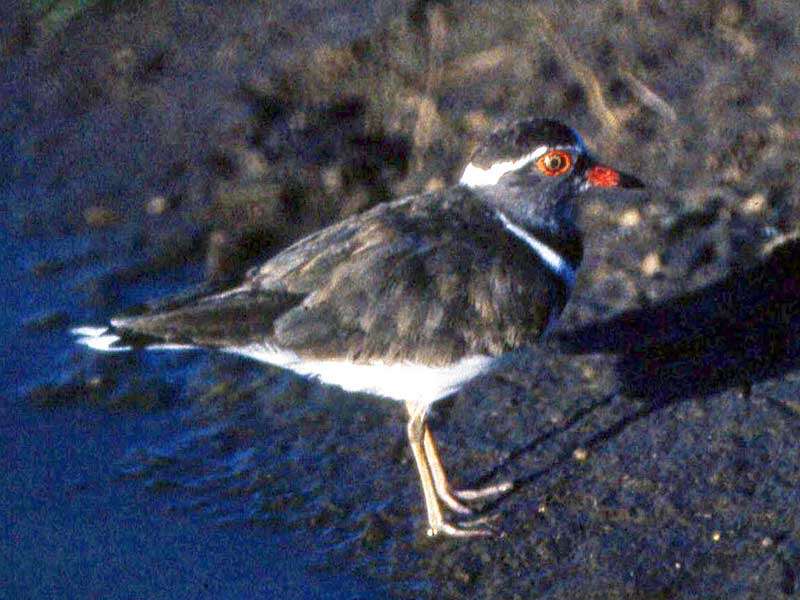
(557,264)
(474,176)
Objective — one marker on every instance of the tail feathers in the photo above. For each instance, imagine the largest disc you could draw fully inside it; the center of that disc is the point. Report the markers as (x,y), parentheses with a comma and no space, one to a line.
(110,339)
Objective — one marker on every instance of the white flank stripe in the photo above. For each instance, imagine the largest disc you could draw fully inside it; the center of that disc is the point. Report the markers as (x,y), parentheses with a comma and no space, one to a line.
(102,343)
(403,381)
(98,338)
(551,258)
(88,331)
(170,347)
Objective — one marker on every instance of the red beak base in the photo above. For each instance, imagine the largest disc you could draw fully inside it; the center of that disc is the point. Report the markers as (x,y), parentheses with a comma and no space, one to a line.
(600,176)
(605,177)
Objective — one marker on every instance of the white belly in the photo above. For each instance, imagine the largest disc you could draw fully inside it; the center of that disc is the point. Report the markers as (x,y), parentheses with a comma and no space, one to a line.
(403,381)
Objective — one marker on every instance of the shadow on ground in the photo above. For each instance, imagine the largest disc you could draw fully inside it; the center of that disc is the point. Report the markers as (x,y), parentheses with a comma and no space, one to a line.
(733,333)
(725,337)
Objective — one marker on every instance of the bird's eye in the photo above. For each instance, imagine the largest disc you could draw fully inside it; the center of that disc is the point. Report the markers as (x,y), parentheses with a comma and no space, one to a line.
(555,162)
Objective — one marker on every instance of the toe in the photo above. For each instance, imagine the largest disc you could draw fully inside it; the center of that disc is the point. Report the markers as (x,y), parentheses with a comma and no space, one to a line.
(453,504)
(466,529)
(489,491)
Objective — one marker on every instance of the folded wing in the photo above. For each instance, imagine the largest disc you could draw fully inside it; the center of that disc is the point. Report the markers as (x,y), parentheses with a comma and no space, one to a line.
(427,279)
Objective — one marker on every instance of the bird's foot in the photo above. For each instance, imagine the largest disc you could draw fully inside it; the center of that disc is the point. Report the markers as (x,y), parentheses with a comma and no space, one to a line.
(473,528)
(454,500)
(453,503)
(484,492)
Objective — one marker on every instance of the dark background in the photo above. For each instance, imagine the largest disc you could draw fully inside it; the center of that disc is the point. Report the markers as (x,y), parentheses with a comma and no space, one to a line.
(149,146)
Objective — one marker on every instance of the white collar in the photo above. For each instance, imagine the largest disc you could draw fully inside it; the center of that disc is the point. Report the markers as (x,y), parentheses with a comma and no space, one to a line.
(554,261)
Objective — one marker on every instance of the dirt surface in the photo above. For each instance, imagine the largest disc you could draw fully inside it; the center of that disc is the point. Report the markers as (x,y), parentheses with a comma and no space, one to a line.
(653,440)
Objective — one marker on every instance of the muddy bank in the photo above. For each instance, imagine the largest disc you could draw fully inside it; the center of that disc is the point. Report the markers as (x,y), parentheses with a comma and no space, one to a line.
(653,446)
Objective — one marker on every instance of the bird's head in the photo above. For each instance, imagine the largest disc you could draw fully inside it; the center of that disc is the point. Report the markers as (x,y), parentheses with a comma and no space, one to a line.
(540,166)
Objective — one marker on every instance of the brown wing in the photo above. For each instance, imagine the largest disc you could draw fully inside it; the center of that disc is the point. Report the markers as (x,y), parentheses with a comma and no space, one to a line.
(425,279)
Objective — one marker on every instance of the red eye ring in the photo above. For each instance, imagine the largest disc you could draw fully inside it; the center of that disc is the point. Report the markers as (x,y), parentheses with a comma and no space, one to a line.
(555,162)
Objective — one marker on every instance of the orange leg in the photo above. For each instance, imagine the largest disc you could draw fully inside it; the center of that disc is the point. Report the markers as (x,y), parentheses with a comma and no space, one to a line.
(436,524)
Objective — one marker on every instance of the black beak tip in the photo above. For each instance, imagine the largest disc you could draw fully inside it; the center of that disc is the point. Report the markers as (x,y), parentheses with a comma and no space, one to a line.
(630,182)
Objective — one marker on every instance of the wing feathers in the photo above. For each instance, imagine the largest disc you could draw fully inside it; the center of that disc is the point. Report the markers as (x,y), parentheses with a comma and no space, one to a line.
(221,320)
(427,279)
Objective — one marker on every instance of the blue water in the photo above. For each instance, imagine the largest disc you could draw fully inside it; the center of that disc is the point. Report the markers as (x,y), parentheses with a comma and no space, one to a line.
(101,498)
(138,476)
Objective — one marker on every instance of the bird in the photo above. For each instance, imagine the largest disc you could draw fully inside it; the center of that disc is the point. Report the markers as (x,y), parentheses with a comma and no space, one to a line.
(412,299)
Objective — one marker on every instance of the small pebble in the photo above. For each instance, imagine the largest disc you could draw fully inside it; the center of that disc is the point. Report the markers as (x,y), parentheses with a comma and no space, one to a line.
(651,264)
(157,205)
(478,122)
(253,164)
(434,184)
(755,203)
(630,218)
(332,180)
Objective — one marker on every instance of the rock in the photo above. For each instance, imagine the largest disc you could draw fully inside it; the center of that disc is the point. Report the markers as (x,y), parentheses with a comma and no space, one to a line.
(157,205)
(651,264)
(630,218)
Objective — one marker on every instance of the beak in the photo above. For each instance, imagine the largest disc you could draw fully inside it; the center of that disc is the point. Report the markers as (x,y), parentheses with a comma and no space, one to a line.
(606,177)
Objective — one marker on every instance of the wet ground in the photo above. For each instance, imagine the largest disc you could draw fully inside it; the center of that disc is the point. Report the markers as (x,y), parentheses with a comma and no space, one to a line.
(152,146)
